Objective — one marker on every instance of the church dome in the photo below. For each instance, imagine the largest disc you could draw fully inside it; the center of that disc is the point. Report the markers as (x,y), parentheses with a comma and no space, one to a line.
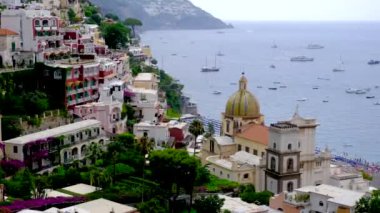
(242,103)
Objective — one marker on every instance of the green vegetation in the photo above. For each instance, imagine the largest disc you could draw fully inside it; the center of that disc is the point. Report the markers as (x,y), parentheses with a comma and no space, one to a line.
(210,204)
(369,204)
(73,18)
(171,114)
(249,195)
(132,22)
(116,35)
(196,129)
(366,176)
(220,185)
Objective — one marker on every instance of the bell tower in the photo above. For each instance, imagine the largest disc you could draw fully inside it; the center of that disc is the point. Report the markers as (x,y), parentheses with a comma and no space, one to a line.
(282,171)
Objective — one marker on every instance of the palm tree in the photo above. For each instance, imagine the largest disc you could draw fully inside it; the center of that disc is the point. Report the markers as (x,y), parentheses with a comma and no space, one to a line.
(145,144)
(196,129)
(94,152)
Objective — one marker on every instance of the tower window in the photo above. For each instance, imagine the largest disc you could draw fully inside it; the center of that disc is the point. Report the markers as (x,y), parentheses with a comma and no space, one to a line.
(247,149)
(274,145)
(290,186)
(228,126)
(239,147)
(289,146)
(246,176)
(273,163)
(290,165)
(299,144)
(320,203)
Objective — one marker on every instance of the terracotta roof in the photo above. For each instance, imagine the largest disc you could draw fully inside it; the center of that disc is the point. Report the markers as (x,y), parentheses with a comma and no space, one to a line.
(256,133)
(6,32)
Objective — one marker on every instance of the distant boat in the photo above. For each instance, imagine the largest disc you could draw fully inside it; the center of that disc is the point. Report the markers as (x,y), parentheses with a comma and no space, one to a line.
(174,54)
(272,88)
(220,53)
(301,59)
(351,91)
(314,46)
(276,82)
(373,62)
(210,69)
(325,79)
(376,103)
(339,68)
(283,86)
(216,92)
(347,145)
(370,97)
(315,87)
(302,99)
(233,83)
(325,101)
(274,46)
(272,66)
(259,87)
(361,91)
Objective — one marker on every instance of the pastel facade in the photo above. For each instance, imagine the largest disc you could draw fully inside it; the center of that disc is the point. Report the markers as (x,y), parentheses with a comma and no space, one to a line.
(60,145)
(146,81)
(146,103)
(253,139)
(348,178)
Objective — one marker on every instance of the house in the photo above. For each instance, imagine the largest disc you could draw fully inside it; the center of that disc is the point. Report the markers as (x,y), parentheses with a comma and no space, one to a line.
(146,103)
(100,206)
(322,198)
(52,147)
(146,81)
(236,205)
(348,178)
(180,132)
(157,131)
(9,47)
(253,138)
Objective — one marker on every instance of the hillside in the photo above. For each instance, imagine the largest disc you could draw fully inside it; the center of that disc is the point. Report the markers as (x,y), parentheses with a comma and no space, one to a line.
(162,14)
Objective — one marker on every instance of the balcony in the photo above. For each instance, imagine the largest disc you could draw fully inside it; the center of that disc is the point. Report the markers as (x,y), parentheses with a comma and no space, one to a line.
(71,103)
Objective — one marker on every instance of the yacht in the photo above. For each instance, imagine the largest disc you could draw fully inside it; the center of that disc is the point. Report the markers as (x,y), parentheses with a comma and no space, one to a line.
(351,91)
(216,92)
(302,99)
(373,62)
(314,46)
(360,91)
(370,97)
(301,59)
(272,88)
(210,69)
(338,70)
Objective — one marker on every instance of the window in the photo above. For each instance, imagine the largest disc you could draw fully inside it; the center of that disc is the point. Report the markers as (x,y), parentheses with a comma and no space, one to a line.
(45,23)
(239,147)
(273,163)
(15,149)
(213,169)
(289,146)
(290,186)
(299,144)
(246,175)
(255,152)
(318,163)
(262,154)
(228,126)
(290,165)
(221,173)
(274,145)
(247,149)
(228,175)
(320,203)
(301,166)
(37,23)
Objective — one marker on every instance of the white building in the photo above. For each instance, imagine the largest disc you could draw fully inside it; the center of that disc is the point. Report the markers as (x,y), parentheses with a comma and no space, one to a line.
(158,131)
(9,47)
(52,147)
(147,105)
(239,167)
(38,29)
(348,178)
(323,198)
(236,205)
(146,81)
(108,113)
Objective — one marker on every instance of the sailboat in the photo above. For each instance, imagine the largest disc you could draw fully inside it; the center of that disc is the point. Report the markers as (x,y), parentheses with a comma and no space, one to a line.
(339,68)
(210,69)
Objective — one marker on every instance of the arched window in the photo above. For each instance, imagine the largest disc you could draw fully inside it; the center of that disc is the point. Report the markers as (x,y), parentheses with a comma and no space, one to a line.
(273,163)
(274,145)
(45,23)
(290,186)
(289,146)
(212,144)
(290,165)
(37,23)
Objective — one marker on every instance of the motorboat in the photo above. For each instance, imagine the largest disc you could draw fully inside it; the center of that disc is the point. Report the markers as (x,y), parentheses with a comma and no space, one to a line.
(314,46)
(347,145)
(315,87)
(325,101)
(272,66)
(351,91)
(338,70)
(376,103)
(259,87)
(301,59)
(283,86)
(370,97)
(276,82)
(360,91)
(216,92)
(373,62)
(272,88)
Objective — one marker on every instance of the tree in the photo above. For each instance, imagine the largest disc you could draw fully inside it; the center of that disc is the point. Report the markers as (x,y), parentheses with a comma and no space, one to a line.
(94,152)
(210,130)
(112,16)
(153,205)
(196,129)
(115,35)
(369,204)
(72,16)
(210,204)
(132,22)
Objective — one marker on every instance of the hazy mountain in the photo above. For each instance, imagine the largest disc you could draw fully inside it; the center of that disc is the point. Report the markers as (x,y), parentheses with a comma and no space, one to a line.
(162,14)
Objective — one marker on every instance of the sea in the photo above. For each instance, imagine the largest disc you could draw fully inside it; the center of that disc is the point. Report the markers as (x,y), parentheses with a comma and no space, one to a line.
(348,123)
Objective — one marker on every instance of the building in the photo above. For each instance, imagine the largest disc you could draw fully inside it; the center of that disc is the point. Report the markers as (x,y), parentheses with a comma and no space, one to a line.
(253,138)
(74,81)
(239,167)
(157,131)
(282,171)
(236,205)
(100,206)
(146,81)
(348,178)
(322,198)
(180,132)
(38,29)
(242,108)
(9,47)
(60,145)
(108,113)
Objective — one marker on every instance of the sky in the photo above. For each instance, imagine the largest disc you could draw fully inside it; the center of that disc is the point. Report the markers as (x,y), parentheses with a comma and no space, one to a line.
(292,10)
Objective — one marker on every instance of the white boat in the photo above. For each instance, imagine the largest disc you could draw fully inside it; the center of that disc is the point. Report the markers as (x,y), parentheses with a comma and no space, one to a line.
(301,59)
(361,91)
(216,92)
(347,145)
(210,69)
(314,46)
(351,90)
(339,68)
